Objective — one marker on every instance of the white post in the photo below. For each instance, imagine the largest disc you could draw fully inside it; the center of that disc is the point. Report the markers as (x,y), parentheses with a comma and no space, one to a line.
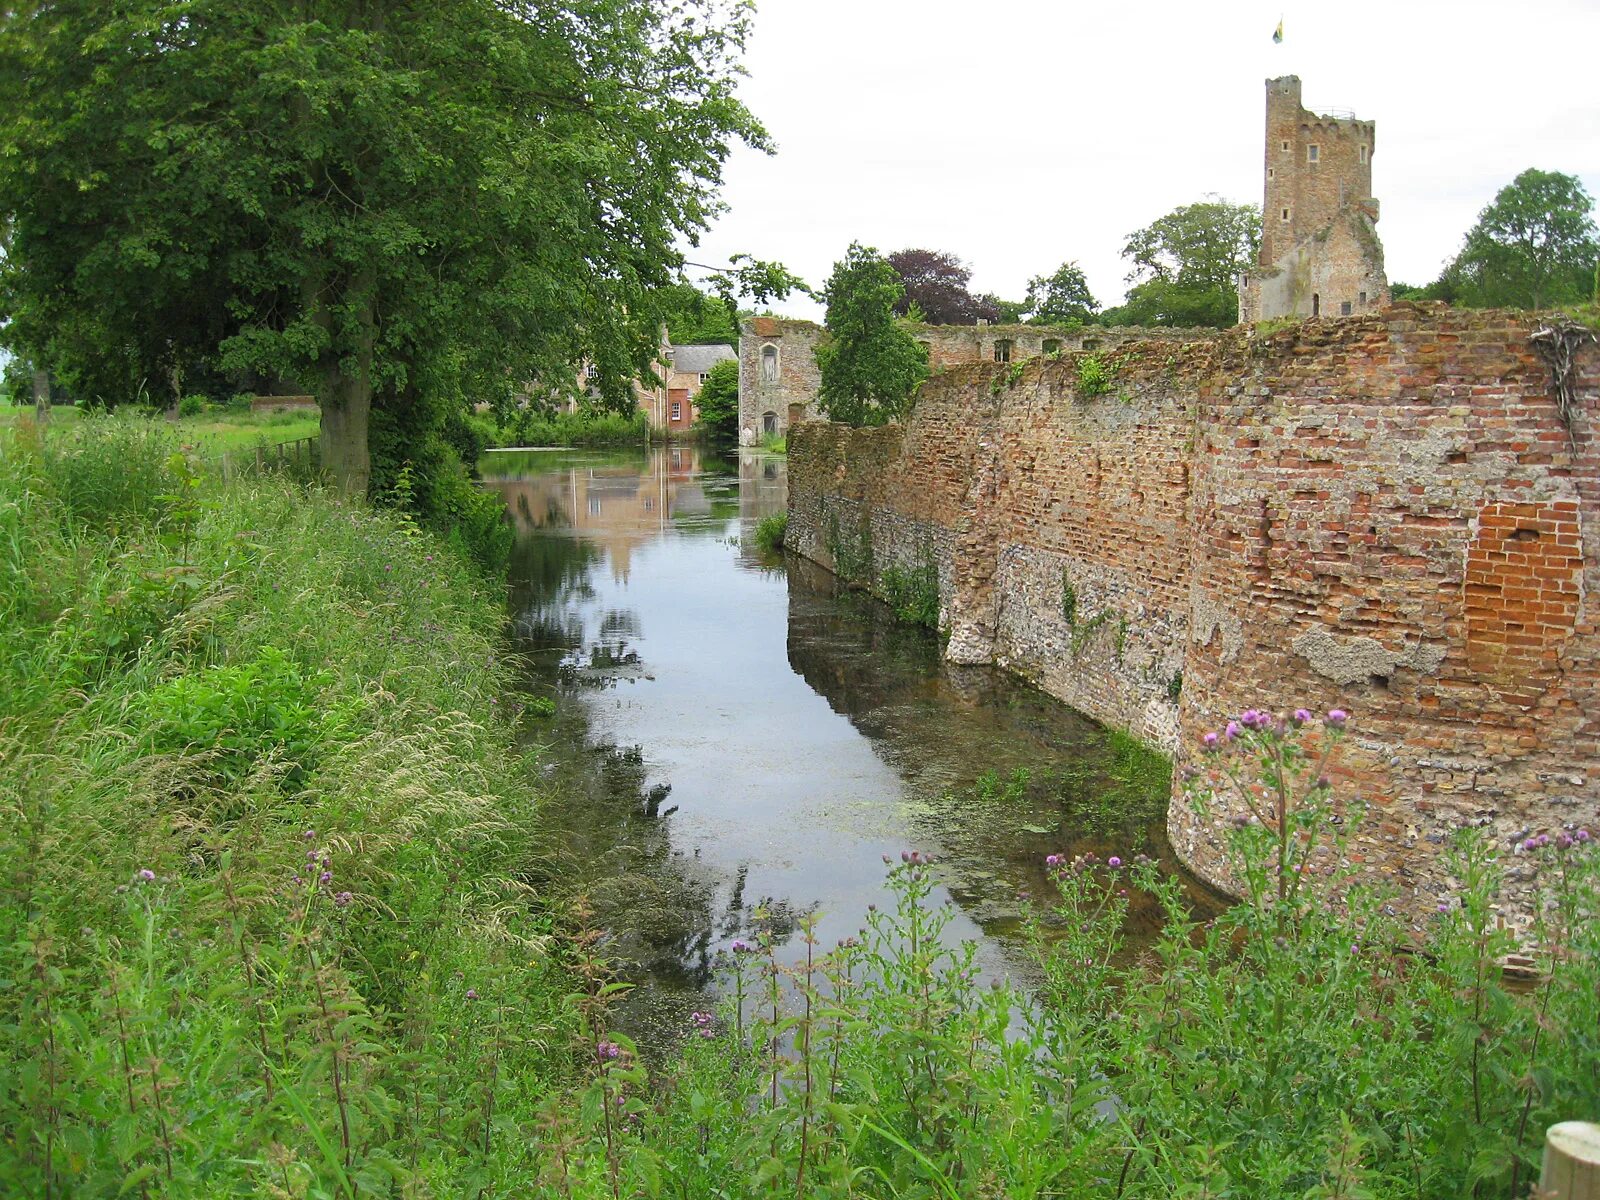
(1571,1161)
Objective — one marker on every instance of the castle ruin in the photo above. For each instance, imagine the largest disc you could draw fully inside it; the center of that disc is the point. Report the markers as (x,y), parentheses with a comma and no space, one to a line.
(1320,254)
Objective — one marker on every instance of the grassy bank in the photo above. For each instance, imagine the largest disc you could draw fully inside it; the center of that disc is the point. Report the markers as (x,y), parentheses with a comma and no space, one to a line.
(268,848)
(588,429)
(215,431)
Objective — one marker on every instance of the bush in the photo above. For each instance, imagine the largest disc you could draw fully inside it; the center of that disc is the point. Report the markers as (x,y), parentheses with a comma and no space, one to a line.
(191,406)
(770,532)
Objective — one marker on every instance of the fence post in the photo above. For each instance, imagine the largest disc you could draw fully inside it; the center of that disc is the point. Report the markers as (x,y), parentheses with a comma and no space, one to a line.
(1571,1161)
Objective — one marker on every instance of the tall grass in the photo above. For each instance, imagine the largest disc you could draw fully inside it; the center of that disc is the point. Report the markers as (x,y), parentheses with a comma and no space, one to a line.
(267,850)
(590,429)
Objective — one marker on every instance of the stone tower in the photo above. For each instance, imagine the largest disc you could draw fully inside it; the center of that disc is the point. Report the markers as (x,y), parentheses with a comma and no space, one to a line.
(1320,254)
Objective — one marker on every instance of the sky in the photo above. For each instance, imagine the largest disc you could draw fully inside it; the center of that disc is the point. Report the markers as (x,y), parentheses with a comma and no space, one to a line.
(1019,134)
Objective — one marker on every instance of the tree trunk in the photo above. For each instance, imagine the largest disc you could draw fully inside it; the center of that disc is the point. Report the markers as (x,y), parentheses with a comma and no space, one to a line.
(346,400)
(41,396)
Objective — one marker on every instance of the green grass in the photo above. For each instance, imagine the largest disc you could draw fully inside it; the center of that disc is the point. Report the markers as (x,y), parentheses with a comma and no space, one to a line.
(212,432)
(775,443)
(770,532)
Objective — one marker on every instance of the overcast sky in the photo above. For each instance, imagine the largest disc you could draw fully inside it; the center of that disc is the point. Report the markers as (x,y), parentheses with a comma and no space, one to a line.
(1021,133)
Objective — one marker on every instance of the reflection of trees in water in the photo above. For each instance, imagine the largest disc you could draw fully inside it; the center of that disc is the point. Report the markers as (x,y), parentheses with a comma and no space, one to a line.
(549,573)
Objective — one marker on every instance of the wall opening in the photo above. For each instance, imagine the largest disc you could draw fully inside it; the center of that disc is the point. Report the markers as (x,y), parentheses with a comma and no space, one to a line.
(1316,304)
(1052,345)
(1002,350)
(769,364)
(769,422)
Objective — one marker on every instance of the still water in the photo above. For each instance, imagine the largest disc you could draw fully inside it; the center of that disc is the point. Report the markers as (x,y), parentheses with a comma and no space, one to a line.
(735,732)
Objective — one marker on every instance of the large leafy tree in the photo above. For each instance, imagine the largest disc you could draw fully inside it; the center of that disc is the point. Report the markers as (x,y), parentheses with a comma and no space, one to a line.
(1534,246)
(936,284)
(1186,265)
(1063,298)
(396,204)
(718,402)
(869,364)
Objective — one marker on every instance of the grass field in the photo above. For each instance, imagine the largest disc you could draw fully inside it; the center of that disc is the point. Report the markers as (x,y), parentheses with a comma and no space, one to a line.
(210,433)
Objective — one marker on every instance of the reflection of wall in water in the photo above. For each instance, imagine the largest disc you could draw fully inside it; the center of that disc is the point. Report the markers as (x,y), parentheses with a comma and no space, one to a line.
(619,508)
(763,492)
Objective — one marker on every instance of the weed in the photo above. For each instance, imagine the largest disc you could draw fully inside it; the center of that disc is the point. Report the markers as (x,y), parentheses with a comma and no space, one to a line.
(770,532)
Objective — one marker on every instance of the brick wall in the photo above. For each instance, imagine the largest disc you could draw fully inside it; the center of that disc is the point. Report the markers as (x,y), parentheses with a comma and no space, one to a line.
(1382,514)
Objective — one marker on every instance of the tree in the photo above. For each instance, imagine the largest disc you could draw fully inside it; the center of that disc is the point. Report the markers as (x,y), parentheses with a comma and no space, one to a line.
(1535,246)
(718,401)
(399,206)
(1061,299)
(870,365)
(694,318)
(936,283)
(1186,266)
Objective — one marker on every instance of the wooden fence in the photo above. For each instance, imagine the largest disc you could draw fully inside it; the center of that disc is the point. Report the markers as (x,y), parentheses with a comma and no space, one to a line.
(302,456)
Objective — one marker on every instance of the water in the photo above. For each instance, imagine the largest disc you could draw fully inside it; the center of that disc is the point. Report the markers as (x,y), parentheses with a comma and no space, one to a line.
(735,732)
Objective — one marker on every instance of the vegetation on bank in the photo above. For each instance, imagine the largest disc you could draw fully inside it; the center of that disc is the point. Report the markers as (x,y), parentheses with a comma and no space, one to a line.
(585,428)
(770,532)
(275,920)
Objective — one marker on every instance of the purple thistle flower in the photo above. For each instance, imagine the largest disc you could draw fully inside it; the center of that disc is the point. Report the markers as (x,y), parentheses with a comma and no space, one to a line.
(1232,731)
(608,1050)
(1581,836)
(1052,860)
(325,877)
(1337,717)
(309,835)
(1113,861)
(1301,716)
(342,900)
(1530,844)
(472,993)
(1543,839)
(740,946)
(146,874)
(1210,740)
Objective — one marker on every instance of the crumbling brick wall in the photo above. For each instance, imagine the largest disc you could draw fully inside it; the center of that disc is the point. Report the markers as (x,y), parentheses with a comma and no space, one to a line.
(1383,514)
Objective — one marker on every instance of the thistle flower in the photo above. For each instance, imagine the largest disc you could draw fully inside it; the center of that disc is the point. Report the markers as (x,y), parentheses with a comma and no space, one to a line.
(608,1051)
(1210,740)
(1337,717)
(472,993)
(342,900)
(1113,861)
(146,874)
(1301,716)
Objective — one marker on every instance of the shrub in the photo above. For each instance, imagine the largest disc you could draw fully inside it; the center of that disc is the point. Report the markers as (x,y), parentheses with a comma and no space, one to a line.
(191,406)
(770,532)
(1095,375)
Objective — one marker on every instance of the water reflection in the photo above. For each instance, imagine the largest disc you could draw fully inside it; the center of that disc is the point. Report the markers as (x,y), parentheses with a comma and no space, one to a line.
(733,733)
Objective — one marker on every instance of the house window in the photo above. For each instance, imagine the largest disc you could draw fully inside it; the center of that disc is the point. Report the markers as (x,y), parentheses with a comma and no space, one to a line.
(1316,304)
(649,503)
(1052,345)
(1286,147)
(1363,298)
(702,376)
(1286,214)
(677,412)
(769,364)
(1313,153)
(1002,350)
(1344,308)
(1361,154)
(594,506)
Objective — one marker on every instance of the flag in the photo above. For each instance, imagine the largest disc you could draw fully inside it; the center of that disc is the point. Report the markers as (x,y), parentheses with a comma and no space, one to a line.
(1277,34)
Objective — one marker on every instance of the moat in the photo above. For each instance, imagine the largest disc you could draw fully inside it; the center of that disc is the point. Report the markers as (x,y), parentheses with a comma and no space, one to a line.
(736,734)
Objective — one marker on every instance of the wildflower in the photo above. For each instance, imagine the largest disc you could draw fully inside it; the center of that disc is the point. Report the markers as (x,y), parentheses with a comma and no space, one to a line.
(740,946)
(905,857)
(325,877)
(472,993)
(1210,740)
(1337,717)
(1113,861)
(608,1050)
(146,874)
(1543,839)
(886,858)
(1444,908)
(1232,731)
(309,835)
(1240,820)
(1301,716)
(1530,844)
(1581,836)
(1564,841)
(342,900)
(1052,860)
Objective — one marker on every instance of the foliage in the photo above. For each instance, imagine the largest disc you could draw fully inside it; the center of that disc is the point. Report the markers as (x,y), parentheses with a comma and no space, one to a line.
(770,532)
(718,402)
(693,318)
(1006,312)
(586,427)
(853,556)
(396,208)
(266,911)
(870,366)
(1186,265)
(913,592)
(1095,375)
(936,284)
(775,443)
(1062,298)
(191,406)
(1535,246)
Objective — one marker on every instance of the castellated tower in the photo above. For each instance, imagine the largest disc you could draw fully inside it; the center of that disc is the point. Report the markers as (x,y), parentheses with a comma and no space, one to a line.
(1320,254)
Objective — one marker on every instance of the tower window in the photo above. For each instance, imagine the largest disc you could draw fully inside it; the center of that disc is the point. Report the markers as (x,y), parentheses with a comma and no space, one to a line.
(769,364)
(1313,153)
(1344,308)
(1361,154)
(1002,350)
(1316,304)
(1286,147)
(1272,173)
(1286,214)
(1052,345)
(1363,297)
